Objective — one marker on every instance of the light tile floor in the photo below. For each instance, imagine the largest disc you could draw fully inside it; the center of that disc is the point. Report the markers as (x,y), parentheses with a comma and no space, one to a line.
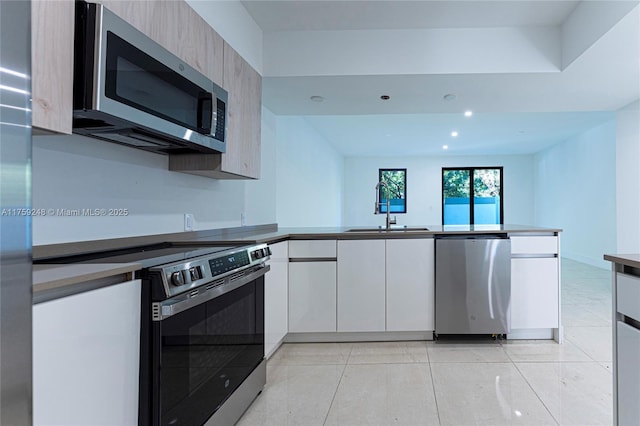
(474,383)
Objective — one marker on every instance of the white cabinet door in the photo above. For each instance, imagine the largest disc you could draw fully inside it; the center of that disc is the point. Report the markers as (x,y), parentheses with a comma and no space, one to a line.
(276,298)
(85,358)
(628,359)
(361,285)
(534,293)
(312,297)
(410,285)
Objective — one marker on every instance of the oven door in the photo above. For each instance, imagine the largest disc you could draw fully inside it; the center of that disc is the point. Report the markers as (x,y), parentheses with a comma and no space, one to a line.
(203,349)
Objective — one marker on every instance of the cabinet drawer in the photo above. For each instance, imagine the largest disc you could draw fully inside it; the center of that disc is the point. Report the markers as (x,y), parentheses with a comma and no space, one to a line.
(628,295)
(280,251)
(312,248)
(534,245)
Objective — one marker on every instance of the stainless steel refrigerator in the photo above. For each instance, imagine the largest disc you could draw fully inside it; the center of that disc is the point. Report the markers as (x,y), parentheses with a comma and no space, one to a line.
(15,219)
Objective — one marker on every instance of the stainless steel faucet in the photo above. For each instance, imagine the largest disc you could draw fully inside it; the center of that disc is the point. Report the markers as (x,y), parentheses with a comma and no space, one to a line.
(389,221)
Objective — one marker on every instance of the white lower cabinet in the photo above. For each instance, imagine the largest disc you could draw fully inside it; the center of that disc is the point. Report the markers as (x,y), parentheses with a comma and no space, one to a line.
(312,296)
(276,295)
(534,293)
(361,285)
(376,286)
(86,357)
(410,277)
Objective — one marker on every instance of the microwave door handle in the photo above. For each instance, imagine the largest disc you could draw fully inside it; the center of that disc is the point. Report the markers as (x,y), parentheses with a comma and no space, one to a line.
(214,114)
(205,123)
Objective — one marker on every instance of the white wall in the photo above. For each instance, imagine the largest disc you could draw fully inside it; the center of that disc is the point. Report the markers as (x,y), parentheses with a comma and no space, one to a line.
(74,172)
(575,189)
(628,178)
(260,195)
(412,51)
(309,176)
(424,177)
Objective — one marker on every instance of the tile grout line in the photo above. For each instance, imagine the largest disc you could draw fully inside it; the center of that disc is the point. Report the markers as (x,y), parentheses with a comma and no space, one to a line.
(515,365)
(333,398)
(534,392)
(433,386)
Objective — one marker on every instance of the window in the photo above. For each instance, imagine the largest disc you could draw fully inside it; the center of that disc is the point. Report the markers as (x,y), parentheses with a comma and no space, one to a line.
(395,190)
(472,195)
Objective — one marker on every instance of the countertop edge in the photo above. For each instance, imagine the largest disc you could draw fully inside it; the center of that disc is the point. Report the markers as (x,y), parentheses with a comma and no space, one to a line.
(51,281)
(343,233)
(630,259)
(269,233)
(47,277)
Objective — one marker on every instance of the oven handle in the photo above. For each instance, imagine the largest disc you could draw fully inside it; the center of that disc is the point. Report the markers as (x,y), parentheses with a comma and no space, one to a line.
(180,303)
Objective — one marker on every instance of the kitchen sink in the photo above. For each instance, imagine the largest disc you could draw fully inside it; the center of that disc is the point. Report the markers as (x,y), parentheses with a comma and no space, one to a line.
(393,229)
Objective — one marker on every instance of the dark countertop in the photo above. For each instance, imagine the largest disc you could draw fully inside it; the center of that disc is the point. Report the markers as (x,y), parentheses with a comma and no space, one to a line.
(55,281)
(632,260)
(272,234)
(362,233)
(51,281)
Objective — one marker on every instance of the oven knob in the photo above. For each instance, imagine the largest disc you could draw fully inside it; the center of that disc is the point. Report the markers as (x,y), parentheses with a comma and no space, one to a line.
(257,254)
(195,273)
(267,251)
(177,278)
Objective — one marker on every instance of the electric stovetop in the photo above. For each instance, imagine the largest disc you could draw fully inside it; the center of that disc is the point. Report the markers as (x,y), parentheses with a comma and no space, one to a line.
(147,256)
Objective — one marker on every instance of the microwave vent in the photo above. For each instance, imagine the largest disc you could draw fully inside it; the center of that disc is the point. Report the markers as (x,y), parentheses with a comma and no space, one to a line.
(90,123)
(136,139)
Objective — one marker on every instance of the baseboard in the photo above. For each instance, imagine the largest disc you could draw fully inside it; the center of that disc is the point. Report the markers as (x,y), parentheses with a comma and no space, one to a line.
(382,336)
(532,334)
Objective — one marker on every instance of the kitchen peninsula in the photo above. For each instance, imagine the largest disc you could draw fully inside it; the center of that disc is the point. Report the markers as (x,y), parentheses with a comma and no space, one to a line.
(322,277)
(322,285)
(625,296)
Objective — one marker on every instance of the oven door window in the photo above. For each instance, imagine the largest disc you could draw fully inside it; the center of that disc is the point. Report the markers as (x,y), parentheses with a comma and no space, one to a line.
(206,353)
(140,81)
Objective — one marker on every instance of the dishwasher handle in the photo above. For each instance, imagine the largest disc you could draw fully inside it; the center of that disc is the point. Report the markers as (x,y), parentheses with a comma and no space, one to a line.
(497,236)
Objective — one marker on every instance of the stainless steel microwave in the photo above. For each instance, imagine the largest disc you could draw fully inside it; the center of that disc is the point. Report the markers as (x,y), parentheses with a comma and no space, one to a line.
(130,90)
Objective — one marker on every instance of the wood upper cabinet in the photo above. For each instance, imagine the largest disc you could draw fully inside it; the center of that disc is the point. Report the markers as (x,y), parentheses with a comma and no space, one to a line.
(52,65)
(242,157)
(178,28)
(244,85)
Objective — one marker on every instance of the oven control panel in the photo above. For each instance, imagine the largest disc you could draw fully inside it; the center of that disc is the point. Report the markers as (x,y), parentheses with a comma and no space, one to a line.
(192,273)
(227,263)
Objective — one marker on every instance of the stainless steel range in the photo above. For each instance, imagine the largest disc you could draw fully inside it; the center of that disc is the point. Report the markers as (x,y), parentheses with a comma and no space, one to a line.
(202,330)
(202,337)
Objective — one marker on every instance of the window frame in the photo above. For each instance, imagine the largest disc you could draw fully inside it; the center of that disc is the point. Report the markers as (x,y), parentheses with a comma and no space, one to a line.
(472,191)
(380,189)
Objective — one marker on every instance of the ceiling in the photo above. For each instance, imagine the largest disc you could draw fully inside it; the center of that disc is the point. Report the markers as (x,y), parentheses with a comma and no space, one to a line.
(360,14)
(516,109)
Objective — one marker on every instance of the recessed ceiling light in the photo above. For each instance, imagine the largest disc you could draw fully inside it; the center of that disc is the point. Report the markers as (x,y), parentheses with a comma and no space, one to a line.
(468,113)
(445,147)
(454,134)
(316,98)
(385,97)
(449,97)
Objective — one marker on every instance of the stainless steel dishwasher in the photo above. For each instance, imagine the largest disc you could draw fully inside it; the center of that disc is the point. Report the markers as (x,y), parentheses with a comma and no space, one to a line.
(473,284)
